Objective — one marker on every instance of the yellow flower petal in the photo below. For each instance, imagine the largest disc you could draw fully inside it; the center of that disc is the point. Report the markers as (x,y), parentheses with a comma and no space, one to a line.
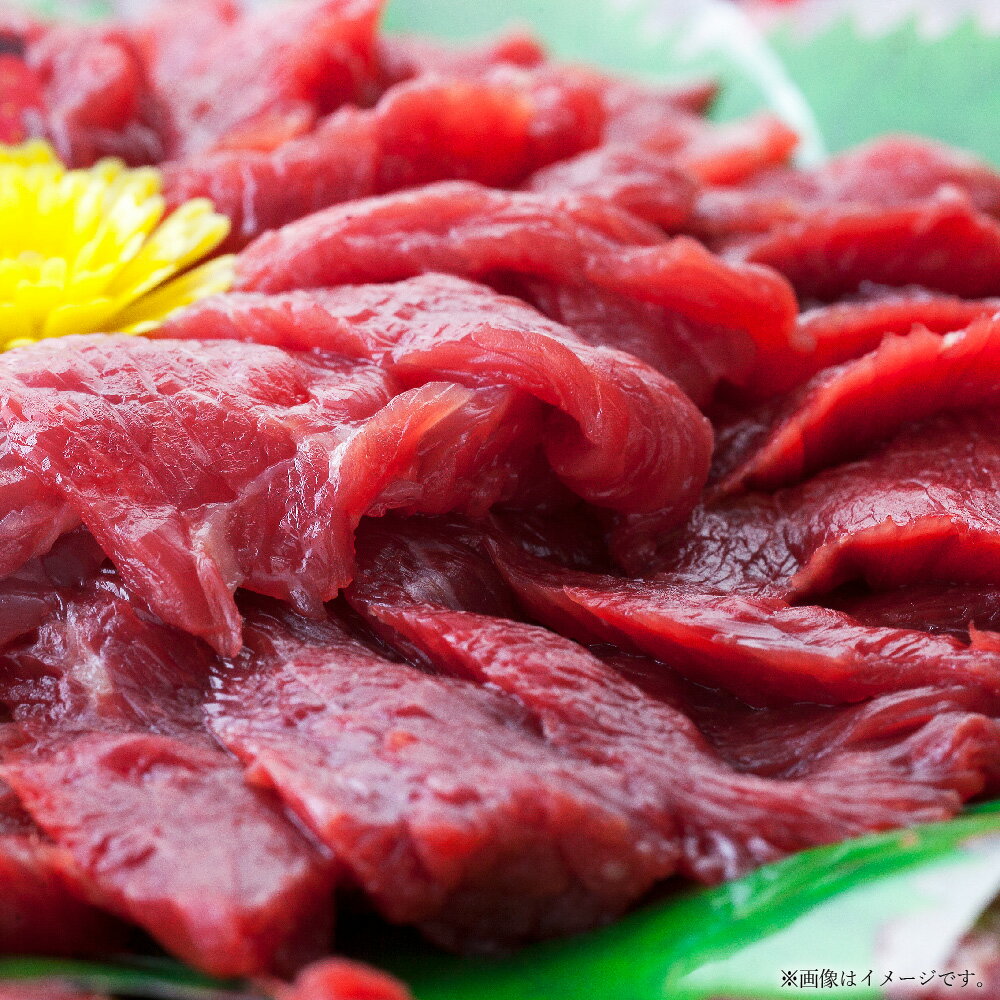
(85,251)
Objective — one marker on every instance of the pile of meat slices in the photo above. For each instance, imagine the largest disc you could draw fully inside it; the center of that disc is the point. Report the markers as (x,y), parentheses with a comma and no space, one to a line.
(571,495)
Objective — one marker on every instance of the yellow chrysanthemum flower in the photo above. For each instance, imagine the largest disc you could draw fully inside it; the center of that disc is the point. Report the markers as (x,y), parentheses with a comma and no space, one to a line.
(84,251)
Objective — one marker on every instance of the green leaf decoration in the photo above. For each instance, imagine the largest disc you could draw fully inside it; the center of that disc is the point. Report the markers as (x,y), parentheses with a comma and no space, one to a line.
(859,87)
(896,902)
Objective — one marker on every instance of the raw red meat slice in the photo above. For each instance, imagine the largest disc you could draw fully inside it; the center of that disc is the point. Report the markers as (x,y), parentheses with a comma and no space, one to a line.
(646,182)
(847,330)
(42,989)
(147,442)
(728,154)
(261,78)
(403,57)
(919,509)
(23,101)
(96,96)
(760,648)
(495,129)
(339,979)
(471,231)
(622,436)
(946,608)
(842,411)
(43,911)
(729,822)
(481,842)
(942,243)
(117,769)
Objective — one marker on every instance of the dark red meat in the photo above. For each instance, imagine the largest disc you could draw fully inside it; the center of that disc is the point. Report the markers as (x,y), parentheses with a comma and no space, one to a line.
(481,843)
(577,241)
(43,910)
(671,772)
(117,770)
(618,425)
(760,648)
(919,509)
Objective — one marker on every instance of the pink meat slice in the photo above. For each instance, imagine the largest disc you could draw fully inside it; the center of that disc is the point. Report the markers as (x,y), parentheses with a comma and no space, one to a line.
(117,769)
(942,243)
(622,436)
(495,129)
(759,648)
(262,77)
(919,509)
(844,410)
(729,822)
(481,843)
(470,231)
(200,467)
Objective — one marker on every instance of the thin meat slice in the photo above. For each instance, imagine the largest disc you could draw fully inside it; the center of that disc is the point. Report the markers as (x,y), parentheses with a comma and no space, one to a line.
(646,182)
(481,842)
(948,609)
(116,767)
(339,979)
(759,648)
(95,99)
(470,231)
(919,509)
(494,129)
(200,467)
(44,911)
(846,330)
(729,822)
(843,411)
(942,243)
(262,77)
(622,436)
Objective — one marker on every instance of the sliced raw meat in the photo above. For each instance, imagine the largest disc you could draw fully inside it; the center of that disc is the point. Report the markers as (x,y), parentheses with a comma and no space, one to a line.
(622,436)
(729,822)
(730,153)
(263,77)
(760,648)
(942,243)
(23,108)
(646,182)
(495,129)
(843,411)
(43,911)
(116,768)
(94,96)
(147,442)
(42,989)
(847,330)
(474,232)
(482,842)
(339,979)
(946,608)
(919,509)
(403,57)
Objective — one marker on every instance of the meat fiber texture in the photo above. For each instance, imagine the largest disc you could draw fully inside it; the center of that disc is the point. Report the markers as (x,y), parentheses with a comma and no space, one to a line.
(572,496)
